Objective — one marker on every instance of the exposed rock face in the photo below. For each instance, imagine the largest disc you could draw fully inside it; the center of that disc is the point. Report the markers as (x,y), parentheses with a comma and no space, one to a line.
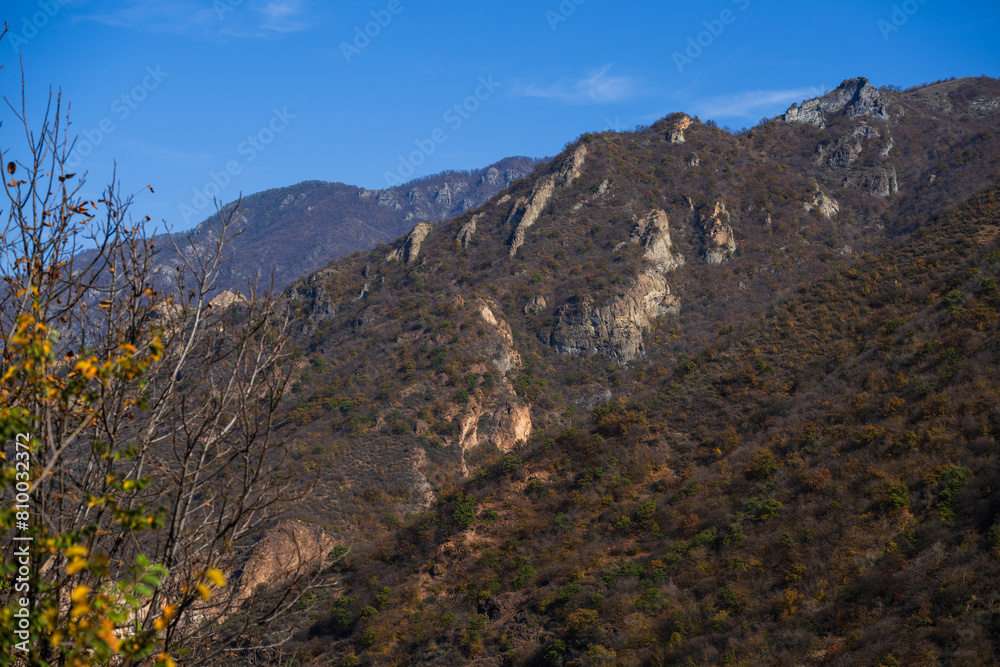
(509,422)
(693,160)
(880,183)
(826,205)
(844,152)
(676,133)
(614,329)
(719,240)
(468,231)
(653,233)
(387,200)
(492,177)
(535,306)
(443,196)
(288,550)
(513,424)
(527,209)
(225,299)
(855,96)
(506,357)
(410,250)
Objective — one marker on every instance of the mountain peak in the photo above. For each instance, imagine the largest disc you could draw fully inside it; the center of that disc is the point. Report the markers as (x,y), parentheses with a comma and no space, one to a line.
(857,96)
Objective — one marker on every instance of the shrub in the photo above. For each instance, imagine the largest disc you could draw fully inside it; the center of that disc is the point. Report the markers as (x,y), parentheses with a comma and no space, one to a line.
(896,496)
(555,651)
(465,511)
(368,638)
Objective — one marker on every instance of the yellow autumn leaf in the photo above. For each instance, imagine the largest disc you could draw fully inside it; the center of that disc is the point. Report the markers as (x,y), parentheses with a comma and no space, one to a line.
(204,592)
(216,576)
(76,550)
(77,565)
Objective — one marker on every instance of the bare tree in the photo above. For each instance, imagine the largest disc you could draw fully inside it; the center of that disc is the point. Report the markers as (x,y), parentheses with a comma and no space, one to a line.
(150,417)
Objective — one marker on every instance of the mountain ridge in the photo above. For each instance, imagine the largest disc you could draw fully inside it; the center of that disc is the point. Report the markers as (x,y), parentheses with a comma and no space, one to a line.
(295,230)
(680,395)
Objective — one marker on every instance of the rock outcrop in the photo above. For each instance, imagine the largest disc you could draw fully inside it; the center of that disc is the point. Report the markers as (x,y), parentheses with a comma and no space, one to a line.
(675,134)
(505,357)
(225,299)
(856,97)
(881,182)
(614,329)
(653,234)
(527,209)
(287,551)
(410,250)
(718,234)
(535,306)
(843,152)
(468,231)
(827,206)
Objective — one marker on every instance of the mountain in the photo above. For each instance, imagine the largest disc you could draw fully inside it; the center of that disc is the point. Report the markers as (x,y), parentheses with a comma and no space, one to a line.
(296,230)
(680,396)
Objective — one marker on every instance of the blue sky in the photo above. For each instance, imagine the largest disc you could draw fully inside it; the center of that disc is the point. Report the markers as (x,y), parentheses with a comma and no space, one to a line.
(214,97)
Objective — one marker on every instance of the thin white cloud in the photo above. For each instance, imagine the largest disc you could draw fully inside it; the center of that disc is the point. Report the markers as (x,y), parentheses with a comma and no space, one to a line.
(225,19)
(598,87)
(283,16)
(750,103)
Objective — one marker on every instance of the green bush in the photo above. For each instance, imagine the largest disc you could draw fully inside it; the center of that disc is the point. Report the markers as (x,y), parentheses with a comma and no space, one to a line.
(465,511)
(368,638)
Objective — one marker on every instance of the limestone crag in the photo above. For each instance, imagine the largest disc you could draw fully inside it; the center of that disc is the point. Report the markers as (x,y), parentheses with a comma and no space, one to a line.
(535,306)
(881,182)
(288,551)
(676,133)
(614,329)
(527,209)
(718,234)
(856,97)
(225,299)
(653,233)
(468,231)
(843,152)
(825,204)
(409,252)
(505,357)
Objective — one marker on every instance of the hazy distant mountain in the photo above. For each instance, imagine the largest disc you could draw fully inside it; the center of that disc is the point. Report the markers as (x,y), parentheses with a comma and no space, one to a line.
(296,230)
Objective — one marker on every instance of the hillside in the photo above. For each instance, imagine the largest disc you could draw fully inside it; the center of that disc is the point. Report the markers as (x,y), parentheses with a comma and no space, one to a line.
(296,230)
(679,397)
